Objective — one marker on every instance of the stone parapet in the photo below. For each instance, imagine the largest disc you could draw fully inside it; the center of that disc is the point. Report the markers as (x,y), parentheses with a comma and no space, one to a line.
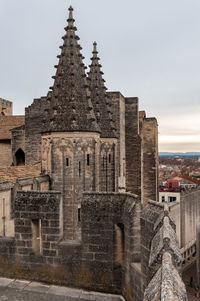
(5,185)
(167,283)
(165,256)
(165,239)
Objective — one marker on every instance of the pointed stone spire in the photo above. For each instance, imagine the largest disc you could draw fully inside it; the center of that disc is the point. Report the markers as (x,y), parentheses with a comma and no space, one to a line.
(98,95)
(70,105)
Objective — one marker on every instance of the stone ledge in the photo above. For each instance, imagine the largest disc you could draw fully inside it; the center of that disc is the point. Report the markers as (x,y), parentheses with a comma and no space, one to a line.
(38,192)
(111,193)
(7,239)
(50,290)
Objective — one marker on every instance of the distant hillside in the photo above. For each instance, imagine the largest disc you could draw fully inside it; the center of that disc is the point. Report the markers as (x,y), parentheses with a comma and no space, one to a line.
(179,154)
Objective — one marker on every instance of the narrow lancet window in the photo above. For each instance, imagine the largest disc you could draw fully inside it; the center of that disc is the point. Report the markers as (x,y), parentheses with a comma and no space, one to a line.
(4,219)
(88,160)
(79,214)
(79,168)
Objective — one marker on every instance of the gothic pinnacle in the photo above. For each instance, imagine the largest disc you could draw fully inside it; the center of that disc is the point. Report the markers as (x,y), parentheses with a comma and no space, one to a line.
(95,49)
(70,92)
(98,95)
(95,73)
(95,53)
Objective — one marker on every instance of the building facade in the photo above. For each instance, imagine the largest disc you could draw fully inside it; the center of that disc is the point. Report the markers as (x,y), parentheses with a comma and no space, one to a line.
(85,165)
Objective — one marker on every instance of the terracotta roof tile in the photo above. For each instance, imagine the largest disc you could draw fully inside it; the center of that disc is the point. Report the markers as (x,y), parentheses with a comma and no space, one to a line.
(12,173)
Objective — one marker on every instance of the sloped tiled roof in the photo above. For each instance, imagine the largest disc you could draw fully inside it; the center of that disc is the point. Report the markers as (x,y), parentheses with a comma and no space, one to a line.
(7,123)
(12,173)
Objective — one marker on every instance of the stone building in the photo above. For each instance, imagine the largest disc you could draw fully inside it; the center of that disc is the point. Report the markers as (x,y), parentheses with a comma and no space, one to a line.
(85,167)
(8,151)
(5,107)
(7,123)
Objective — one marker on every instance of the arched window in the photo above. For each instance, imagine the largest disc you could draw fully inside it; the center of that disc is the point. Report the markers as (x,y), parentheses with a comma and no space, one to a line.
(20,157)
(67,162)
(79,168)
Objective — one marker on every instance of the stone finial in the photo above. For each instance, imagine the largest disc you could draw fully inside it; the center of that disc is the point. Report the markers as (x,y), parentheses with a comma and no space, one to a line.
(70,13)
(70,20)
(95,52)
(95,46)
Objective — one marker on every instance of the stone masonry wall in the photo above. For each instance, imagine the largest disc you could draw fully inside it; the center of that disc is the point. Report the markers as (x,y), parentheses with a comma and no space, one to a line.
(34,116)
(5,107)
(117,107)
(132,277)
(7,256)
(110,233)
(32,206)
(72,160)
(100,261)
(133,147)
(108,258)
(149,160)
(150,215)
(6,217)
(26,259)
(6,154)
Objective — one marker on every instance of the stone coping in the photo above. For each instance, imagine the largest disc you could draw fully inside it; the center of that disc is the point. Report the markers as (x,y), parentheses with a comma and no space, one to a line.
(110,193)
(53,290)
(38,192)
(161,205)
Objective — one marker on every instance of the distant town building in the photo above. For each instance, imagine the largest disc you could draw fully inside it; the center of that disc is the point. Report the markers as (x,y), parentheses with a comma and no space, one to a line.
(169,196)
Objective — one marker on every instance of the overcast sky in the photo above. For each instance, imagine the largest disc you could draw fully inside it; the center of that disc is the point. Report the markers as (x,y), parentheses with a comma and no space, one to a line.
(148,49)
